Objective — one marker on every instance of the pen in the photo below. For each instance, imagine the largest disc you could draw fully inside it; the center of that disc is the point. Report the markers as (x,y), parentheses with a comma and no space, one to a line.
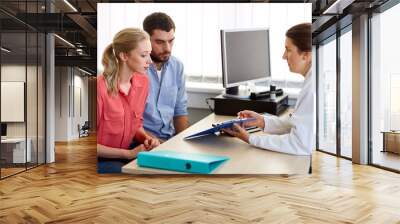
(253,130)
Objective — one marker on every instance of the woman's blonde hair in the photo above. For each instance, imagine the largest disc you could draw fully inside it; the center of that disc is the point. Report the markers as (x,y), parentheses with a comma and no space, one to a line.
(124,41)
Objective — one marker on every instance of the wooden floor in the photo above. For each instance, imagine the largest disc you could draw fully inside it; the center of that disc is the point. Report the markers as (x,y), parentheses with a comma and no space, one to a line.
(10,171)
(70,191)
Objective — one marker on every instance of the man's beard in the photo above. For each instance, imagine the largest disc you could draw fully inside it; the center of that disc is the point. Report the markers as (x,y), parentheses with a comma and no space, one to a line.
(157,59)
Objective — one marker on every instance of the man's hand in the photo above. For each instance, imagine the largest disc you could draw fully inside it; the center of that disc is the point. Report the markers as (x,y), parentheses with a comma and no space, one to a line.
(259,122)
(150,135)
(181,123)
(151,143)
(238,131)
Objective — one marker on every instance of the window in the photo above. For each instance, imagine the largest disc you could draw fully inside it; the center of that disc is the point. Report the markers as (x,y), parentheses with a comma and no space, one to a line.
(198,31)
(385,86)
(327,96)
(346,93)
(22,75)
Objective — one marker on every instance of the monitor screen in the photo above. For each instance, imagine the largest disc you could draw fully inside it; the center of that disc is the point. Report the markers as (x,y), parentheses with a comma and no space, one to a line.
(245,56)
(3,129)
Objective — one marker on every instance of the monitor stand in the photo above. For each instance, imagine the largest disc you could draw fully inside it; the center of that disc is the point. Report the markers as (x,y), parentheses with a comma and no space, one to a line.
(236,93)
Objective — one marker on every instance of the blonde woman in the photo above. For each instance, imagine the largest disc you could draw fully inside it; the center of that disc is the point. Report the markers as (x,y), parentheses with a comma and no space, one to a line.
(122,91)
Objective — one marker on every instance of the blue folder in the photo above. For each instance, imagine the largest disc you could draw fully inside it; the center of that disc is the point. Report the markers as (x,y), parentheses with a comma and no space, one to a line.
(179,161)
(218,127)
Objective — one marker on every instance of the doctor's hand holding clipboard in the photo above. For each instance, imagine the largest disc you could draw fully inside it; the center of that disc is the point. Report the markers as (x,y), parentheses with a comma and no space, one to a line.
(240,131)
(294,134)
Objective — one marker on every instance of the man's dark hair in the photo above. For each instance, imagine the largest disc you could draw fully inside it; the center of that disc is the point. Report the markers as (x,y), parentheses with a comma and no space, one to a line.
(158,20)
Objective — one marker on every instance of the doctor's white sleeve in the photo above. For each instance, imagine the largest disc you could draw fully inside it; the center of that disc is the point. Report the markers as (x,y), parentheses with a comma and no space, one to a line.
(298,141)
(277,125)
(294,135)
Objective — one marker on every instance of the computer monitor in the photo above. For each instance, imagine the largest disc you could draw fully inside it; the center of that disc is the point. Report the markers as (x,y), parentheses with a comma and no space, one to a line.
(245,57)
(3,129)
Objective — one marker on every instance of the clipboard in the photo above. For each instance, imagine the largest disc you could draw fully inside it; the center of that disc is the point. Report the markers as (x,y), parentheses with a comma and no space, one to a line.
(218,127)
(179,161)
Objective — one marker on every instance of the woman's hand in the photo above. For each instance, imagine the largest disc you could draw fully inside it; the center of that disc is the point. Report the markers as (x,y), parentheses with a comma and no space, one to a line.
(132,154)
(151,143)
(238,131)
(147,145)
(259,122)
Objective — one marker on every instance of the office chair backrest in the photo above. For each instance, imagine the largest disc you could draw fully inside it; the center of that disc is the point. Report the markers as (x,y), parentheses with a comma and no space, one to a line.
(86,125)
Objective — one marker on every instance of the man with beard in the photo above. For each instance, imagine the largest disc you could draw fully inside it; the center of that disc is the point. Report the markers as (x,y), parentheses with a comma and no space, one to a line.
(166,109)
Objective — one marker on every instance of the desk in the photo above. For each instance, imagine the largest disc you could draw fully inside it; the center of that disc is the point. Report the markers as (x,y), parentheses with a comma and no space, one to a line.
(244,158)
(16,148)
(391,141)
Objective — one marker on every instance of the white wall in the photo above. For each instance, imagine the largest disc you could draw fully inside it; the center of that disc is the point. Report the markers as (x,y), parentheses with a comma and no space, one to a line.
(14,73)
(193,27)
(70,83)
(198,26)
(33,126)
(80,84)
(61,103)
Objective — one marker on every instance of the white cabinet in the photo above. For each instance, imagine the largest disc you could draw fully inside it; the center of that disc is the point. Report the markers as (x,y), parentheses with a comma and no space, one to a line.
(16,148)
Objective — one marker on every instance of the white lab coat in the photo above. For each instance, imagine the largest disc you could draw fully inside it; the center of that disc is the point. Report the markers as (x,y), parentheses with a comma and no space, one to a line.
(294,134)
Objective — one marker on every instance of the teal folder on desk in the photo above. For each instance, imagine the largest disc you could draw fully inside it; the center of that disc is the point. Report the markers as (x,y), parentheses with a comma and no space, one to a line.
(179,161)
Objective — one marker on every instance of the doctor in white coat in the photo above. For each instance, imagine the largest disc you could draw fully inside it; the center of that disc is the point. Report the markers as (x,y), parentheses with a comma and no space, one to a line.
(293,134)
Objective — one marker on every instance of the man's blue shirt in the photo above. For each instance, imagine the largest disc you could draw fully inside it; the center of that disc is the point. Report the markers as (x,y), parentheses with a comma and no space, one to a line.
(167,98)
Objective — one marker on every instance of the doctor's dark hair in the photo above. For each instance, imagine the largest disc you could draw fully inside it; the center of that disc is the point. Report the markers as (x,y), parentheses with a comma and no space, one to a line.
(300,35)
(124,41)
(158,20)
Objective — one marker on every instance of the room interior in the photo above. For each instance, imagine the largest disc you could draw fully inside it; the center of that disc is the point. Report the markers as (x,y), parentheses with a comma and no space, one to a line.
(48,91)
